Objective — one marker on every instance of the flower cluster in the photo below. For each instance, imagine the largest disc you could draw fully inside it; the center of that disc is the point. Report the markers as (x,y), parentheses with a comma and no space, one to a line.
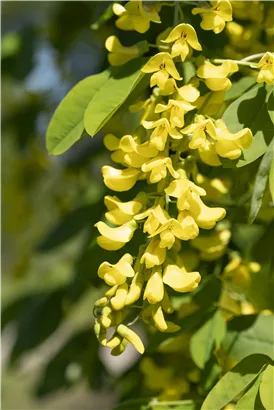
(177,129)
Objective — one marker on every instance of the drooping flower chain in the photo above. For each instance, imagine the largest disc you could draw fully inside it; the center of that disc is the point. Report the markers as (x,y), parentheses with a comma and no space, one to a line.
(141,282)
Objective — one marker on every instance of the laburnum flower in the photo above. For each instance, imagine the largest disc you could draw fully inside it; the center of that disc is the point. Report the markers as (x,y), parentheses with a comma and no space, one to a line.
(184,229)
(136,16)
(177,277)
(113,239)
(216,76)
(121,212)
(229,145)
(199,130)
(120,54)
(183,36)
(131,337)
(120,179)
(162,66)
(212,246)
(162,129)
(154,290)
(189,200)
(214,17)
(148,107)
(119,300)
(117,274)
(237,274)
(158,168)
(266,65)
(128,150)
(214,187)
(177,109)
(135,289)
(156,377)
(155,217)
(153,255)
(160,322)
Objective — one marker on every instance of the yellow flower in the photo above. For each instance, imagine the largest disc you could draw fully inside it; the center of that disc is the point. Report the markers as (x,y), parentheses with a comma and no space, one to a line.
(184,36)
(177,109)
(135,16)
(121,212)
(162,66)
(132,337)
(113,239)
(237,274)
(179,279)
(173,229)
(215,187)
(213,246)
(120,179)
(153,255)
(120,54)
(229,145)
(189,200)
(155,217)
(199,130)
(162,129)
(216,76)
(154,291)
(119,300)
(128,150)
(214,17)
(156,377)
(158,169)
(148,107)
(266,65)
(117,274)
(160,321)
(135,289)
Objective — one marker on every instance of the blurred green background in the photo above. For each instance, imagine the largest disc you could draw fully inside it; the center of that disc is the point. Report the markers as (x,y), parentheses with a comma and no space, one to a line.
(49,207)
(50,357)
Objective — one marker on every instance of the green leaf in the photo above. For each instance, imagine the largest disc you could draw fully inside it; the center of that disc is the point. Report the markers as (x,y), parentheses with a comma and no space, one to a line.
(267,388)
(234,381)
(205,339)
(239,87)
(106,16)
(260,182)
(249,334)
(271,180)
(248,400)
(67,123)
(250,110)
(270,106)
(112,95)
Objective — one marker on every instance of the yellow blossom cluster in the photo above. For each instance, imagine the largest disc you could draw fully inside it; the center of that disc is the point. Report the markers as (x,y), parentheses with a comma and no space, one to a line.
(170,206)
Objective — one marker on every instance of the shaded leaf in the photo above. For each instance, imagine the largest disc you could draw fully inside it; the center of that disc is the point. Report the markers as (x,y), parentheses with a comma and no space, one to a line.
(260,182)
(248,400)
(271,180)
(248,335)
(235,381)
(112,95)
(67,124)
(267,388)
(239,87)
(270,106)
(250,110)
(205,339)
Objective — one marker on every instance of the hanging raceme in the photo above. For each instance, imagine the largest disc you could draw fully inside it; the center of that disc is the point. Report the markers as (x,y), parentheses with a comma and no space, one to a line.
(179,125)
